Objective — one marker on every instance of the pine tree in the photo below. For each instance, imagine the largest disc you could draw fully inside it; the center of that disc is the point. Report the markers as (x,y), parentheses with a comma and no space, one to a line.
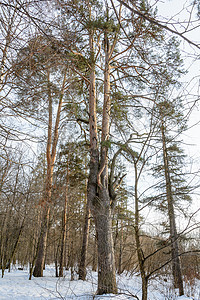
(37,66)
(169,117)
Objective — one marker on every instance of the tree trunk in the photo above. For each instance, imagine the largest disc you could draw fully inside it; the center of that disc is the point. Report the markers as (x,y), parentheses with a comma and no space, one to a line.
(42,243)
(82,265)
(71,258)
(52,141)
(116,235)
(3,237)
(103,211)
(16,244)
(144,288)
(140,254)
(56,260)
(62,247)
(65,263)
(56,245)
(94,260)
(106,259)
(120,248)
(64,225)
(141,260)
(176,267)
(39,265)
(98,192)
(34,248)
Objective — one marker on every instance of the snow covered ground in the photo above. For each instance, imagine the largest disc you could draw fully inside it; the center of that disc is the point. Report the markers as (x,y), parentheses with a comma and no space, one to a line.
(15,285)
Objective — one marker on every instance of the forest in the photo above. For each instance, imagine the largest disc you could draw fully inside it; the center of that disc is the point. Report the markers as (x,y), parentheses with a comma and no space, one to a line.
(96,103)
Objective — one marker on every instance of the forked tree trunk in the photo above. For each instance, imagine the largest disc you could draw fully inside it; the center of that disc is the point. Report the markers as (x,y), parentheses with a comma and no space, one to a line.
(102,207)
(52,141)
(98,190)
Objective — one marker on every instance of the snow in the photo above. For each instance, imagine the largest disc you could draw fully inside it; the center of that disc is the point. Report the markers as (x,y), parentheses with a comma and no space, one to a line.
(15,285)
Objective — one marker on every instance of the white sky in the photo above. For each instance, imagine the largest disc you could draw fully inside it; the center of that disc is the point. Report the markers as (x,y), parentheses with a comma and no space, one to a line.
(179,11)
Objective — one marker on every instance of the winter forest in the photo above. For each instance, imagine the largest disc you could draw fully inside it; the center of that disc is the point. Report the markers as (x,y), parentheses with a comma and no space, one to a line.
(99,194)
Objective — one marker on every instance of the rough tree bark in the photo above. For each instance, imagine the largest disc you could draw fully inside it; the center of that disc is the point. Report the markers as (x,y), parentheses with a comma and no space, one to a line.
(103,213)
(98,192)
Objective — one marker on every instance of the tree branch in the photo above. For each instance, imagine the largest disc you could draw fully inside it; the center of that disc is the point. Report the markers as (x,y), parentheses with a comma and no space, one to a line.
(155,22)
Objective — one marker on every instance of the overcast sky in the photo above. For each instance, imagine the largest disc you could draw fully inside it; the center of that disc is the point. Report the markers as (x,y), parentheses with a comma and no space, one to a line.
(178,11)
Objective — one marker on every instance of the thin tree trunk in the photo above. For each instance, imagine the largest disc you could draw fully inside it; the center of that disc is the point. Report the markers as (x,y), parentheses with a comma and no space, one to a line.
(6,215)
(19,235)
(56,258)
(34,251)
(16,243)
(3,236)
(63,243)
(120,248)
(64,225)
(140,254)
(10,30)
(82,265)
(67,239)
(94,260)
(56,266)
(71,258)
(116,235)
(176,267)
